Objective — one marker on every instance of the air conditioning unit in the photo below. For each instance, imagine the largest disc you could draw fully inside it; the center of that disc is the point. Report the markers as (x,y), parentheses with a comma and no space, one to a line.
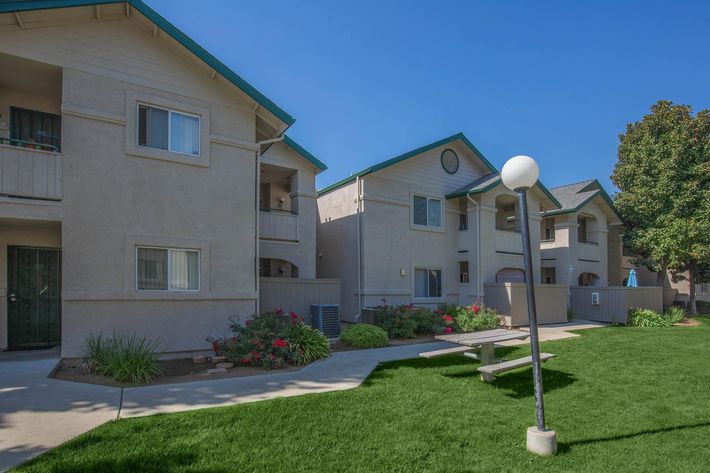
(326,318)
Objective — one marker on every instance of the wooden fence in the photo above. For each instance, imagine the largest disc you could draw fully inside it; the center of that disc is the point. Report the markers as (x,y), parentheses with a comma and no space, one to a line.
(612,303)
(297,295)
(510,301)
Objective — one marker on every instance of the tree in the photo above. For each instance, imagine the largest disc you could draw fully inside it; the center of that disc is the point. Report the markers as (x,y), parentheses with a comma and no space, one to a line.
(663,174)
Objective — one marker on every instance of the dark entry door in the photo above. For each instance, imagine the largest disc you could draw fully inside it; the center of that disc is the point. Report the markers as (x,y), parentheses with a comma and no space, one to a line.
(33,297)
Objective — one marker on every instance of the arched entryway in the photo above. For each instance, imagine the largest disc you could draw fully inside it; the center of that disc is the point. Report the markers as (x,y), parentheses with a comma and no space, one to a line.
(588,279)
(510,275)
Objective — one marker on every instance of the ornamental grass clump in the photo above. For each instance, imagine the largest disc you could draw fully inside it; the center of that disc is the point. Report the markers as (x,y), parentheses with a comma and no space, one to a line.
(126,359)
(674,314)
(307,343)
(364,336)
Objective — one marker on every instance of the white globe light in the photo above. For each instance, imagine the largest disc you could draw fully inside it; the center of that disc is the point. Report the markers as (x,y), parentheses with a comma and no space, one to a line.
(520,172)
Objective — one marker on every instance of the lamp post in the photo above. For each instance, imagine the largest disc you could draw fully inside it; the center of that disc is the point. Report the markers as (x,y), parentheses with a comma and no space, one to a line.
(519,174)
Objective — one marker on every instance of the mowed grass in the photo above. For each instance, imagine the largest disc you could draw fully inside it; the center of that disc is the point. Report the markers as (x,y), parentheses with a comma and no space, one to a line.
(621,399)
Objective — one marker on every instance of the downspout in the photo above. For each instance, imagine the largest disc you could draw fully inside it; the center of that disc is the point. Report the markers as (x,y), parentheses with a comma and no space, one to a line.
(257,199)
(478,248)
(359,255)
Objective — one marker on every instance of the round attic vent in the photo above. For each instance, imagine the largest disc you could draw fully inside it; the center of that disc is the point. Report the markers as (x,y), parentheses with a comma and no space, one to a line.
(449,161)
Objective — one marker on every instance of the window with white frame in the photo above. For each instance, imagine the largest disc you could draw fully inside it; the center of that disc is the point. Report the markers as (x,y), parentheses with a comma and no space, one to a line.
(427,211)
(161,128)
(427,283)
(167,269)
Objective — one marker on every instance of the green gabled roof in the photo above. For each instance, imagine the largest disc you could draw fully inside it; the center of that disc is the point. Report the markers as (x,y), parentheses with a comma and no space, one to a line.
(488,182)
(305,154)
(575,196)
(407,155)
(170,29)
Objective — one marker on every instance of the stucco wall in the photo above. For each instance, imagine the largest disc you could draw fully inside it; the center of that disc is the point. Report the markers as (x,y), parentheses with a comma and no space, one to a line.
(116,196)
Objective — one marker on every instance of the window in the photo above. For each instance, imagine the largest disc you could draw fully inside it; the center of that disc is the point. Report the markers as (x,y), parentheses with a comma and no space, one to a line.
(463,272)
(30,126)
(169,130)
(167,269)
(582,230)
(548,229)
(427,283)
(463,222)
(427,211)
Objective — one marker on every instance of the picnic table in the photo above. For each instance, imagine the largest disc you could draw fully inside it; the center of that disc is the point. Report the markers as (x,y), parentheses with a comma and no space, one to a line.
(484,342)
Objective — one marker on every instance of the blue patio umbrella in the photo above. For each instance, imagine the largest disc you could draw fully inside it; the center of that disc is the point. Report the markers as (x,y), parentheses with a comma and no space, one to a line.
(632,282)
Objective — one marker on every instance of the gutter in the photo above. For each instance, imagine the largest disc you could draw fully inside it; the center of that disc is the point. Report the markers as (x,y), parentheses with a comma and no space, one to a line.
(257,199)
(359,250)
(478,247)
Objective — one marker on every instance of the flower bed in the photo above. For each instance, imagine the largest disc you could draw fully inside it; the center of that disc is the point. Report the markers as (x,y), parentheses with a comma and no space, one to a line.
(272,340)
(408,321)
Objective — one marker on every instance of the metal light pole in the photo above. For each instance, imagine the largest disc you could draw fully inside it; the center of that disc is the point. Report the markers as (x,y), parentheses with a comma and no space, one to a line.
(519,174)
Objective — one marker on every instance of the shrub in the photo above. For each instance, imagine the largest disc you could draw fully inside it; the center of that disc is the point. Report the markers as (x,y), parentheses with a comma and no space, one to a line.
(364,336)
(475,318)
(308,344)
(397,321)
(570,315)
(646,318)
(703,307)
(674,314)
(125,359)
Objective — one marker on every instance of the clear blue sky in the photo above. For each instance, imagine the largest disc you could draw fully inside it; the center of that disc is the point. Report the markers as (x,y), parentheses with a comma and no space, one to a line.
(368,80)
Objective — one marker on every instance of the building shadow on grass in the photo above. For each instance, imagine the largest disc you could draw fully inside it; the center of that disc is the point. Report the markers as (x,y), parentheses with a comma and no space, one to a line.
(566,447)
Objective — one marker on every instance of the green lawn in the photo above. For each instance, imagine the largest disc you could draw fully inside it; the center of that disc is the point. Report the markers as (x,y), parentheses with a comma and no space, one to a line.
(620,399)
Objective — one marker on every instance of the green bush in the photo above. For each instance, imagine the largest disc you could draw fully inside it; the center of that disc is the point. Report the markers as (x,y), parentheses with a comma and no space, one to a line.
(674,314)
(125,359)
(475,318)
(646,318)
(397,321)
(308,344)
(364,336)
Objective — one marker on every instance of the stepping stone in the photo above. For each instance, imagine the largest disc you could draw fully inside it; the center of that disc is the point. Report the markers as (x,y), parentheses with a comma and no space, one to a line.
(226,365)
(216,370)
(219,359)
(198,360)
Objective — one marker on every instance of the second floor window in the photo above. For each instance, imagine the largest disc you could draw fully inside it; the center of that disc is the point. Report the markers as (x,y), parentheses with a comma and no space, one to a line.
(427,211)
(169,130)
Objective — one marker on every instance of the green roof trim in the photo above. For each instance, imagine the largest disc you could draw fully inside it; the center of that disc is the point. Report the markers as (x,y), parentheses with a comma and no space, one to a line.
(600,192)
(486,188)
(407,155)
(172,31)
(305,154)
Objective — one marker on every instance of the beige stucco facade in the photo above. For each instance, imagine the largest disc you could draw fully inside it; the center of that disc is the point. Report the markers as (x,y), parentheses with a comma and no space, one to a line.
(101,195)
(367,236)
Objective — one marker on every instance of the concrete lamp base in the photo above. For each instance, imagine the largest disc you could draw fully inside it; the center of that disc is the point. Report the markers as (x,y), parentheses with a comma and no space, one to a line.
(542,442)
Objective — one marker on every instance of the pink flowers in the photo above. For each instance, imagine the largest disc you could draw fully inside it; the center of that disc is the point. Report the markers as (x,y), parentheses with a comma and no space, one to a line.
(447,318)
(448,329)
(475,308)
(279,343)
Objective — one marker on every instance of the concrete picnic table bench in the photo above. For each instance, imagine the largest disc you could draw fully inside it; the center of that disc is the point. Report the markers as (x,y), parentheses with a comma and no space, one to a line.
(485,343)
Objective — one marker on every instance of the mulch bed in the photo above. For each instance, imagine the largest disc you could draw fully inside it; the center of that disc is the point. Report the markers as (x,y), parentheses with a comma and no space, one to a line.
(178,370)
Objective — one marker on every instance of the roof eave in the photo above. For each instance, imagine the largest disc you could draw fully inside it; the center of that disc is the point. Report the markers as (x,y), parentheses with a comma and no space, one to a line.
(173,32)
(304,153)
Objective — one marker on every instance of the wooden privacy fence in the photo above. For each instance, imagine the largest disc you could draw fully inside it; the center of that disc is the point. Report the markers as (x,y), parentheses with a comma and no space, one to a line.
(510,301)
(613,302)
(297,295)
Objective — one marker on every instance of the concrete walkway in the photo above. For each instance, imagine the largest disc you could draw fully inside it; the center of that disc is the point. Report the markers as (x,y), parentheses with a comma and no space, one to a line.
(38,413)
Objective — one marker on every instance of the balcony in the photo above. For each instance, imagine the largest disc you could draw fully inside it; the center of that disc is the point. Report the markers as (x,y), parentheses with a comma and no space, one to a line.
(277,224)
(30,170)
(509,242)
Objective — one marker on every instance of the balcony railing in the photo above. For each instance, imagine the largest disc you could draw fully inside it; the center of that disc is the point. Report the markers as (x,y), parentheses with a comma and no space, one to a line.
(589,251)
(508,242)
(276,224)
(30,170)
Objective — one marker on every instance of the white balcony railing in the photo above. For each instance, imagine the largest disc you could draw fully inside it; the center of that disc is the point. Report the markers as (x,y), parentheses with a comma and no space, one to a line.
(509,242)
(30,173)
(278,225)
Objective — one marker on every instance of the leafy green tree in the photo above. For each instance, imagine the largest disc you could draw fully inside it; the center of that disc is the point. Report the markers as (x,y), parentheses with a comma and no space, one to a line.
(663,173)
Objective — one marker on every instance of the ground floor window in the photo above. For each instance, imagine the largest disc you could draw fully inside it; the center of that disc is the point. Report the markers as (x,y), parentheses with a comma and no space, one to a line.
(427,283)
(167,269)
(548,276)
